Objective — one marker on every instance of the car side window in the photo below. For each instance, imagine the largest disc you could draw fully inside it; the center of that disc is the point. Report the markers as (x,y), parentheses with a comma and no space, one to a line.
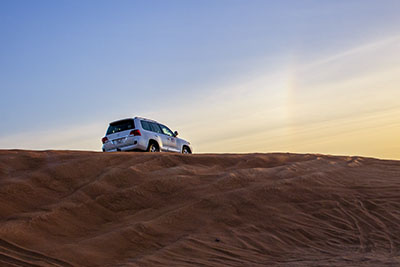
(145,125)
(166,131)
(155,127)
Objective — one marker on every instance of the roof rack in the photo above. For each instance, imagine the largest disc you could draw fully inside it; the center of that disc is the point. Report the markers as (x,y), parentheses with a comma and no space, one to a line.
(142,118)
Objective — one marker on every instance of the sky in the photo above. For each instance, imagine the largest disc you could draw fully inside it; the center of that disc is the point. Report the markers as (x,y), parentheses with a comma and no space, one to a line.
(232,76)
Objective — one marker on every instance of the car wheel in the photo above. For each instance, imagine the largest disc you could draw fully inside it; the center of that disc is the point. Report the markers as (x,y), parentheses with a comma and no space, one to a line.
(153,148)
(186,150)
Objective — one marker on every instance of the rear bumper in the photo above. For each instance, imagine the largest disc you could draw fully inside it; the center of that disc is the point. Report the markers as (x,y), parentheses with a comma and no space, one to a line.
(134,144)
(125,148)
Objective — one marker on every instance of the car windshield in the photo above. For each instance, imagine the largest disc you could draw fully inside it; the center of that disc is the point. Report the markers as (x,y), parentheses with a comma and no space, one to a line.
(119,126)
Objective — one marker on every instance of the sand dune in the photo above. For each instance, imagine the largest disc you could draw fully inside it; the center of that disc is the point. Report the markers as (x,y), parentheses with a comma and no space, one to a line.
(60,208)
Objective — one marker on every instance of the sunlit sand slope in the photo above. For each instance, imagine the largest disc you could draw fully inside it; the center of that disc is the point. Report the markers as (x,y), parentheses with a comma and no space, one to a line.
(61,208)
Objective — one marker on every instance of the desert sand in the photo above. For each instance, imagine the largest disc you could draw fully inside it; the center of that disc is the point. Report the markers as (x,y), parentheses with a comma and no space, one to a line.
(72,208)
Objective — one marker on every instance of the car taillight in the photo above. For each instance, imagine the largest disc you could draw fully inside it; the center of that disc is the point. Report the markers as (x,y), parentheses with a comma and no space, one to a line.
(104,139)
(135,133)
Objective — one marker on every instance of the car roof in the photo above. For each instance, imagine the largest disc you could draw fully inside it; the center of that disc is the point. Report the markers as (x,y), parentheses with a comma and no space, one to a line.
(145,119)
(141,118)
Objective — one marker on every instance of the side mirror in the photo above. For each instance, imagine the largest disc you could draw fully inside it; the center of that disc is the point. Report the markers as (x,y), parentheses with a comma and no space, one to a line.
(176,133)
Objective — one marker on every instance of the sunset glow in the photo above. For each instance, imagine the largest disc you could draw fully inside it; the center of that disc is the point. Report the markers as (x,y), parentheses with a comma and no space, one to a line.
(313,78)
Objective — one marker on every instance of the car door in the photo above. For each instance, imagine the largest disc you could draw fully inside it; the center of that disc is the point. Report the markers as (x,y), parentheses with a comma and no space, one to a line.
(171,140)
(159,134)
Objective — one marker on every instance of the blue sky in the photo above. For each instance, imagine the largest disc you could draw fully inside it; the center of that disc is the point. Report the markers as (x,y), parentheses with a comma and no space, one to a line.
(67,68)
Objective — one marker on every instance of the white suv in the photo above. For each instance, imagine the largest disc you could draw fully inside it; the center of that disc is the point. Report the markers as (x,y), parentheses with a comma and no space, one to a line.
(143,134)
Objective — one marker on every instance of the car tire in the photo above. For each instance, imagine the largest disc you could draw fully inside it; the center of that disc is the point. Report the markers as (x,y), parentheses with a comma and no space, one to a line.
(153,147)
(186,150)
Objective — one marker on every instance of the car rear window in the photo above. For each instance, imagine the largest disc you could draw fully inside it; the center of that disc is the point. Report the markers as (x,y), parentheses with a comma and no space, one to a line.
(119,126)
